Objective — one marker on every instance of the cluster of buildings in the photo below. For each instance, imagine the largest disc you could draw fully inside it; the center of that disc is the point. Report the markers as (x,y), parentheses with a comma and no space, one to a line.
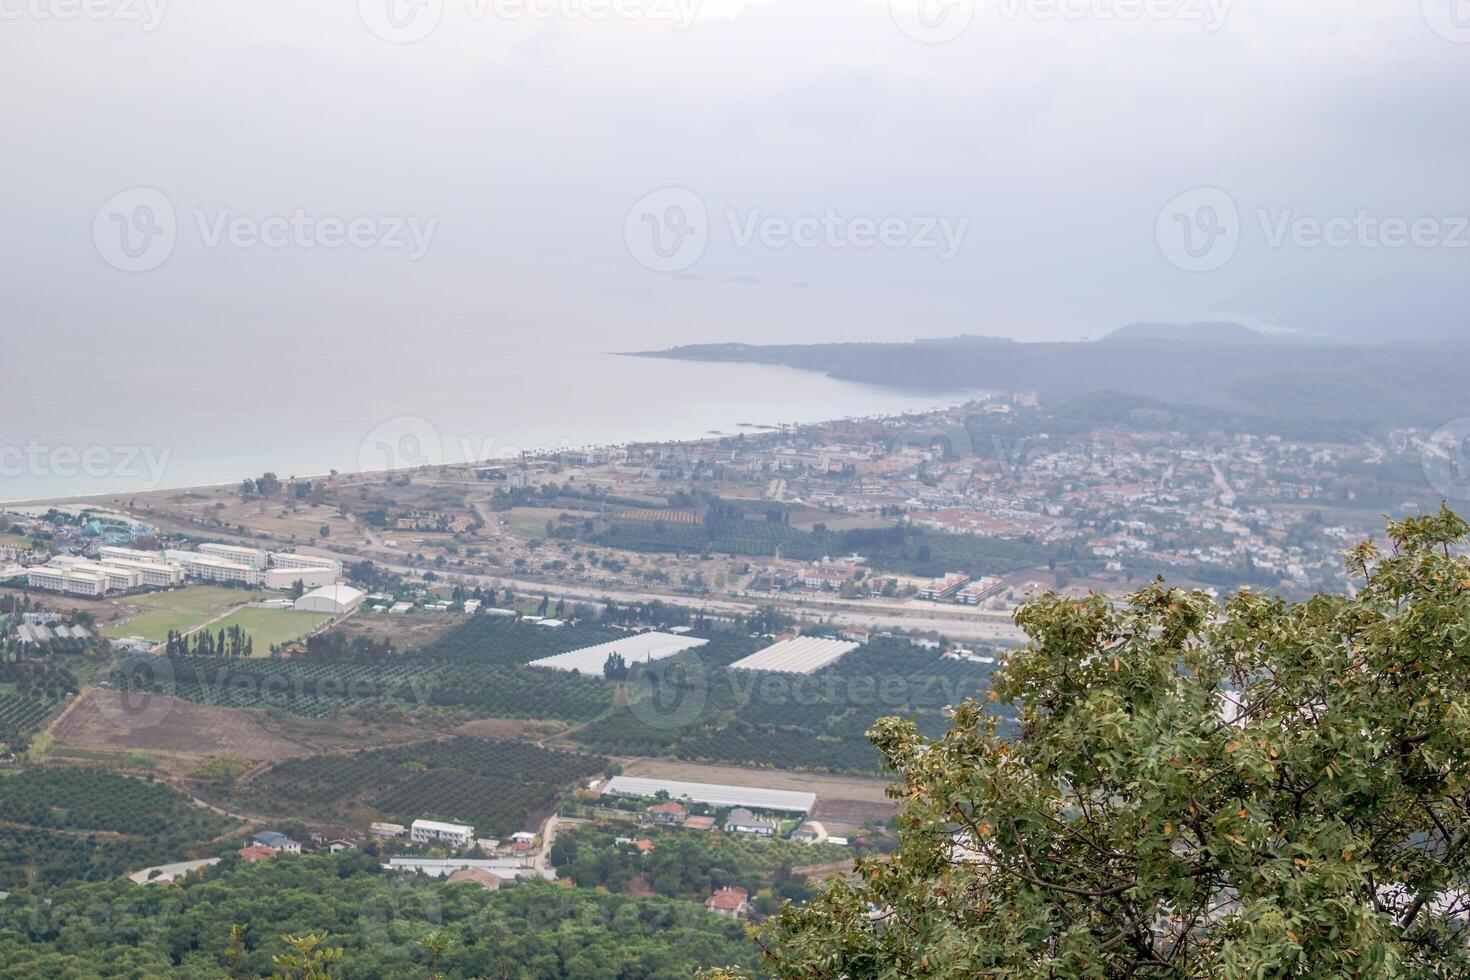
(121,569)
(1115,502)
(453,836)
(959,587)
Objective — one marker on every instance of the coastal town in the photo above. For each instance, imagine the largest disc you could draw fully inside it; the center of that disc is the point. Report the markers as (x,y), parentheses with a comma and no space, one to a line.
(650,669)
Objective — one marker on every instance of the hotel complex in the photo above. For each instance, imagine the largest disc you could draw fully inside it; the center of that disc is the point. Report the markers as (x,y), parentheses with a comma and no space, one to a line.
(126,570)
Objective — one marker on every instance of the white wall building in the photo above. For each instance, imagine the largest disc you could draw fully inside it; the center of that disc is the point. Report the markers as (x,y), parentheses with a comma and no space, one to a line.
(253,557)
(288,559)
(434,832)
(211,569)
(68,579)
(312,578)
(336,600)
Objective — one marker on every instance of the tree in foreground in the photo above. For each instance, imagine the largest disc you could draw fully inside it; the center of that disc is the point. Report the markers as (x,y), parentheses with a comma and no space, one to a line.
(1262,789)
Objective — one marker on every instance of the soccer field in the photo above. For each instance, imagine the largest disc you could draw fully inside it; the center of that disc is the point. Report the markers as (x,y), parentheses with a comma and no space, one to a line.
(180,610)
(269,627)
(211,599)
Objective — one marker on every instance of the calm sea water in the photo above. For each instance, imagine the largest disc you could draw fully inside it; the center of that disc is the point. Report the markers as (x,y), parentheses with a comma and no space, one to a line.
(113,421)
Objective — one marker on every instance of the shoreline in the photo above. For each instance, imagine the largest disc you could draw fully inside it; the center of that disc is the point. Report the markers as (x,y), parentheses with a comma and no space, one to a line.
(759,429)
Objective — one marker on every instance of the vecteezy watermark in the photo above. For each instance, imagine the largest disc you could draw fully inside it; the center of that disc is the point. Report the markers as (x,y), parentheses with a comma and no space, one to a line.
(669,230)
(939,21)
(147,14)
(932,21)
(1199,230)
(1364,229)
(136,230)
(1208,14)
(407,21)
(1450,19)
(145,464)
(1446,459)
(144,695)
(399,444)
(669,695)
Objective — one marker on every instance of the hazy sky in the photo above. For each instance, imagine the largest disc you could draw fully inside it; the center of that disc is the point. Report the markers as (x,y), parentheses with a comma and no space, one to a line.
(812,169)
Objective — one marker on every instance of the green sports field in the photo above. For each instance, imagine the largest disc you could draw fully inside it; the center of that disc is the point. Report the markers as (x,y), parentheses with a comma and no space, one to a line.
(268,627)
(179,610)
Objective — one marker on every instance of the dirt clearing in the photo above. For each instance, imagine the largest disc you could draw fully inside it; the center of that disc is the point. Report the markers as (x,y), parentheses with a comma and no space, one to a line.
(102,721)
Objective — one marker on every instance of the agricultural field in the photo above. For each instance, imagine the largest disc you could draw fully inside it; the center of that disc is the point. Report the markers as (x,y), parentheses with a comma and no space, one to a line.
(807,723)
(318,688)
(530,522)
(499,787)
(651,514)
(102,724)
(29,695)
(80,823)
(271,627)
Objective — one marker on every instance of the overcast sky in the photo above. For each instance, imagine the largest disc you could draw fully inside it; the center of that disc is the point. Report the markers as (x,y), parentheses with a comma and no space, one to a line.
(631,173)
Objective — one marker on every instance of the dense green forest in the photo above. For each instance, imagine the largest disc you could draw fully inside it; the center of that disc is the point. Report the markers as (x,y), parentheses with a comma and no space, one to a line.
(730,529)
(85,824)
(530,931)
(689,864)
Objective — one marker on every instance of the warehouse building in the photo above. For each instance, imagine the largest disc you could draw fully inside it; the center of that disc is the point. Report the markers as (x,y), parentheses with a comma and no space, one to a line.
(777,800)
(311,578)
(336,600)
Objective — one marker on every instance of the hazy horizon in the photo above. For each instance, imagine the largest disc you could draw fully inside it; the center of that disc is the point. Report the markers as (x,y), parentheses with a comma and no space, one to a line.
(500,161)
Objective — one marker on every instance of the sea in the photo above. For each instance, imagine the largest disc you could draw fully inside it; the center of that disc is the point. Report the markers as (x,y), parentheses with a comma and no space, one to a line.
(117,421)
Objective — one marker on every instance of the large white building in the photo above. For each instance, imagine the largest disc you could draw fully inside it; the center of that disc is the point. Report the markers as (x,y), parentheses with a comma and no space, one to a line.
(70,579)
(211,569)
(311,578)
(290,559)
(434,832)
(336,600)
(80,576)
(253,557)
(158,573)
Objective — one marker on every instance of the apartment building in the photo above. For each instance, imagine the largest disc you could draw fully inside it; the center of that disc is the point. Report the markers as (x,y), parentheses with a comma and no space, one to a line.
(250,557)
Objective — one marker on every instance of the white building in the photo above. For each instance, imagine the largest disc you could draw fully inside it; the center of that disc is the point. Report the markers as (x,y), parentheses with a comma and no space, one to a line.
(158,571)
(68,579)
(289,559)
(337,600)
(212,569)
(433,832)
(254,557)
(945,588)
(121,578)
(311,578)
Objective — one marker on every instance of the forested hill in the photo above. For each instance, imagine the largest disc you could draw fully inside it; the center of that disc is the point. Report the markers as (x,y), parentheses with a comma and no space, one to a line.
(1419,385)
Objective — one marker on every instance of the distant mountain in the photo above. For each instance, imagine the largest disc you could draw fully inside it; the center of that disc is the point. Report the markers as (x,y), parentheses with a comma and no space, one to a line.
(1189,333)
(1285,385)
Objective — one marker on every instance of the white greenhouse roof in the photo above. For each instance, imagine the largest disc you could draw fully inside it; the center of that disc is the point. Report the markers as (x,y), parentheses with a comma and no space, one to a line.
(639,648)
(803,655)
(787,801)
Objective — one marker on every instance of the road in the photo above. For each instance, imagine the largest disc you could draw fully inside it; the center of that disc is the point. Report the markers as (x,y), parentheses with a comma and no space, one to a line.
(959,622)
